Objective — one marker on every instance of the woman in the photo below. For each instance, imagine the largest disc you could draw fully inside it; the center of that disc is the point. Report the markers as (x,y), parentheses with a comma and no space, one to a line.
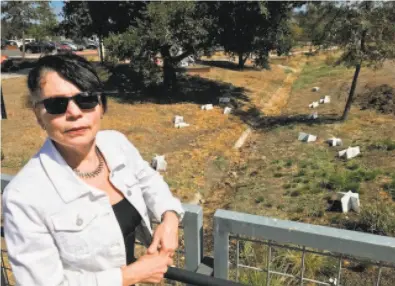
(72,213)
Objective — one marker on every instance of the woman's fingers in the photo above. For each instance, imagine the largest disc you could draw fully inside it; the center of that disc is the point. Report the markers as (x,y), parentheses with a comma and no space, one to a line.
(169,248)
(170,261)
(154,245)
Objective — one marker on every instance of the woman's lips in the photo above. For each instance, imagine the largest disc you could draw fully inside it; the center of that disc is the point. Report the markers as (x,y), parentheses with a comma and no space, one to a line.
(77,130)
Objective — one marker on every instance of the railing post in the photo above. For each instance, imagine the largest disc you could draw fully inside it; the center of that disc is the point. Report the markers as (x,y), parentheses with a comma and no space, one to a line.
(221,250)
(193,236)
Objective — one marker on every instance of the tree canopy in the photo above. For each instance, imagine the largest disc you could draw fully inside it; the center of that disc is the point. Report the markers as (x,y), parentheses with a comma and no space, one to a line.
(173,30)
(253,28)
(363,30)
(18,15)
(46,21)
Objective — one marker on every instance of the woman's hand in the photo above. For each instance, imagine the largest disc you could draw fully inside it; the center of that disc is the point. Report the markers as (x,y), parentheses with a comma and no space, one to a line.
(149,268)
(165,238)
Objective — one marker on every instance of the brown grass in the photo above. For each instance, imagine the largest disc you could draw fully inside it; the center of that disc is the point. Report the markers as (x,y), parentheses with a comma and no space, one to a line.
(201,159)
(261,177)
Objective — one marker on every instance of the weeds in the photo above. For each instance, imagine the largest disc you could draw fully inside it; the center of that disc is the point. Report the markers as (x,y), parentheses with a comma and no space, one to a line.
(313,263)
(312,73)
(259,199)
(221,163)
(390,187)
(378,218)
(385,145)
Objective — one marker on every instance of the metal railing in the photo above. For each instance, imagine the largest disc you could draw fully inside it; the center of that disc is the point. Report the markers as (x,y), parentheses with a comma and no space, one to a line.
(326,241)
(307,239)
(181,275)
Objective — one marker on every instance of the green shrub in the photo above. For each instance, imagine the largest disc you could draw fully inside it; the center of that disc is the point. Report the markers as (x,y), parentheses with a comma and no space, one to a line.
(288,163)
(301,173)
(259,199)
(352,166)
(281,207)
(316,210)
(303,164)
(293,260)
(295,193)
(390,187)
(297,180)
(288,70)
(386,145)
(375,218)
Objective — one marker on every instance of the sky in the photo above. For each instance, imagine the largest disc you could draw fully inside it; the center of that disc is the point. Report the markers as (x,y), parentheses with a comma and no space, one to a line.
(57,6)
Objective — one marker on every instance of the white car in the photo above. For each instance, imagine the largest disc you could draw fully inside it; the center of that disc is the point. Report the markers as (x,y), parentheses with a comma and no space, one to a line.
(28,40)
(183,64)
(14,43)
(190,59)
(73,46)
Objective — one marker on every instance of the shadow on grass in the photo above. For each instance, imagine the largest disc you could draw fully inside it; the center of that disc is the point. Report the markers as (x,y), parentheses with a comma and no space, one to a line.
(258,121)
(126,86)
(226,65)
(18,66)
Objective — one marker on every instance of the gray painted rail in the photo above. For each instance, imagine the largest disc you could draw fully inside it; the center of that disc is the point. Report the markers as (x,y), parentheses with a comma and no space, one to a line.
(358,244)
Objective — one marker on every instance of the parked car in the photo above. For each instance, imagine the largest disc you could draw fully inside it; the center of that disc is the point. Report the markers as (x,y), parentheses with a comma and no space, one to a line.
(3,44)
(6,63)
(28,40)
(74,47)
(16,43)
(39,47)
(63,48)
(91,46)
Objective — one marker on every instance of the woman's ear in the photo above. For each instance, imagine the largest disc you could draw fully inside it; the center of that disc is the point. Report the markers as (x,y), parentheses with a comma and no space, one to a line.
(36,111)
(102,111)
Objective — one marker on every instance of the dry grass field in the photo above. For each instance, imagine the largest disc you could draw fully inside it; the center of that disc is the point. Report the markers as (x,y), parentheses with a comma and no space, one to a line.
(273,174)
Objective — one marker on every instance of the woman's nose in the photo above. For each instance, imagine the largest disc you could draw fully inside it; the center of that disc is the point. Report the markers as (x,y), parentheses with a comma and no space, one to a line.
(73,109)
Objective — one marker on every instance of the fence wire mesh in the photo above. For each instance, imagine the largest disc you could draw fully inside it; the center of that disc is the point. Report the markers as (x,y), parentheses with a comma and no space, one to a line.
(263,262)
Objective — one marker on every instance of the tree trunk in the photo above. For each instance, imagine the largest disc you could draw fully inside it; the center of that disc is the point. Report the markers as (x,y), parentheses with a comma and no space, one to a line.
(166,74)
(356,74)
(169,74)
(169,68)
(352,91)
(101,49)
(23,44)
(241,61)
(3,111)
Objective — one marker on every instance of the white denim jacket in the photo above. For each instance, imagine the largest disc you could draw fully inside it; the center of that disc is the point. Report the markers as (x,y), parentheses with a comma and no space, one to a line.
(61,231)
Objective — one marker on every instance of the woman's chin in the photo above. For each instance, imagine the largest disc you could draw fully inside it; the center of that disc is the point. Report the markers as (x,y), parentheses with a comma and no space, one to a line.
(77,141)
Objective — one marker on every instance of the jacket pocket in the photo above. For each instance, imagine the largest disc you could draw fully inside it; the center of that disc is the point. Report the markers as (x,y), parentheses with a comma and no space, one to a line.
(72,232)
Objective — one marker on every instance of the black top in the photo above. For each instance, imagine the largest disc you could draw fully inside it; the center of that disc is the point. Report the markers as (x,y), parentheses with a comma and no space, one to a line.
(128,218)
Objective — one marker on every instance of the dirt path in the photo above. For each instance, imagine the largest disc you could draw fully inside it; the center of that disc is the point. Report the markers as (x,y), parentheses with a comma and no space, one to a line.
(225,187)
(280,98)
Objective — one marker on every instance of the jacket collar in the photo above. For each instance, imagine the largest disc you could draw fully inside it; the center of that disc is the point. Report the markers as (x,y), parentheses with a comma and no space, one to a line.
(65,181)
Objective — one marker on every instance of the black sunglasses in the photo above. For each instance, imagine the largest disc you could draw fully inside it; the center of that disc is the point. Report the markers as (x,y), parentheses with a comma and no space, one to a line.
(58,105)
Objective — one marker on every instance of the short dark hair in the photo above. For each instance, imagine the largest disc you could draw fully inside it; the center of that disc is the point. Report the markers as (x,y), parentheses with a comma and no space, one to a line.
(73,68)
